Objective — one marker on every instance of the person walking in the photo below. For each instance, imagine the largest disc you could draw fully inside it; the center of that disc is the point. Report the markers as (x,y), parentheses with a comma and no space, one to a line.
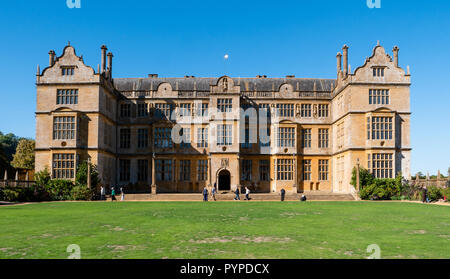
(213,192)
(122,197)
(113,194)
(102,194)
(205,194)
(247,194)
(424,195)
(283,194)
(237,198)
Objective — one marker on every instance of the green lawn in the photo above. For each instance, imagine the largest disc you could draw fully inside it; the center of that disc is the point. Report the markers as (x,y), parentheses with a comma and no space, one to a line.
(236,230)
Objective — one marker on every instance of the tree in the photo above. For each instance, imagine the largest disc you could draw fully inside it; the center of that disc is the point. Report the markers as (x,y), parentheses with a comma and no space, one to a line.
(81,177)
(9,143)
(365,177)
(24,157)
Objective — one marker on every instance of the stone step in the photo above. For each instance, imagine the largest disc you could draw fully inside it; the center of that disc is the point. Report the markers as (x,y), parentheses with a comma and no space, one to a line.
(313,196)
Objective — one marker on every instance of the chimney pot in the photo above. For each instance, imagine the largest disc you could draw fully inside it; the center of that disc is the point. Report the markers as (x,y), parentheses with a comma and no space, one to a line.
(396,50)
(103,67)
(345,54)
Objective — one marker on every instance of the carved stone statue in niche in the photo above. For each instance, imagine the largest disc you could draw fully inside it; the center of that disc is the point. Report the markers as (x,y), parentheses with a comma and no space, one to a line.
(225,84)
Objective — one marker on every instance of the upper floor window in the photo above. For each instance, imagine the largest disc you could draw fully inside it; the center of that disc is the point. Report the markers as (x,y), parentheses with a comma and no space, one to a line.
(142,138)
(125,138)
(286,137)
(125,110)
(202,137)
(163,138)
(64,128)
(203,109)
(306,138)
(67,70)
(67,97)
(323,138)
(378,97)
(185,138)
(306,110)
(224,105)
(285,110)
(379,128)
(164,110)
(323,110)
(185,110)
(224,135)
(378,72)
(264,109)
(143,110)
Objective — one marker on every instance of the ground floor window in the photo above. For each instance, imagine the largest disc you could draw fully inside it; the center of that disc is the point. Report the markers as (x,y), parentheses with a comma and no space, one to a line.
(306,170)
(185,170)
(323,170)
(284,170)
(264,170)
(164,170)
(381,165)
(63,166)
(246,170)
(202,170)
(142,170)
(124,174)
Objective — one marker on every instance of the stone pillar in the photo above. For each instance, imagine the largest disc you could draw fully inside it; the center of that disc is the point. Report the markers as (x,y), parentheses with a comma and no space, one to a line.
(103,67)
(395,51)
(295,186)
(154,174)
(358,186)
(339,63)
(345,52)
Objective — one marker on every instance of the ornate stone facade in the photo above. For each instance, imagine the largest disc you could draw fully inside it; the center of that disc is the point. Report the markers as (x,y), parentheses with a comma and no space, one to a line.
(317,128)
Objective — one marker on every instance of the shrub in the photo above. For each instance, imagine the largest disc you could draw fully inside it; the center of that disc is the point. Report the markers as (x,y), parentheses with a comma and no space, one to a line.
(42,178)
(10,195)
(435,193)
(365,177)
(382,189)
(446,193)
(59,190)
(81,193)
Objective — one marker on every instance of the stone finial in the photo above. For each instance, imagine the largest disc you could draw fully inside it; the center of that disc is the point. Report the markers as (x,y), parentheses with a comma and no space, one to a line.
(38,72)
(438,175)
(408,72)
(417,177)
(378,42)
(428,176)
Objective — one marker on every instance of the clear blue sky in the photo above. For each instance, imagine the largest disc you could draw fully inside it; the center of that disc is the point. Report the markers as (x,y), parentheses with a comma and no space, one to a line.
(275,38)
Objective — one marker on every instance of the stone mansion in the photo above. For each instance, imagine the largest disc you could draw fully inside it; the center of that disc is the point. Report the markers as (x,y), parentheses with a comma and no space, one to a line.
(178,135)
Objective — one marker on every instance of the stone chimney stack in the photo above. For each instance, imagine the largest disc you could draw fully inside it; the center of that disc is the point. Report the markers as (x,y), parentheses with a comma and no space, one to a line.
(51,55)
(395,50)
(109,70)
(345,52)
(339,62)
(103,67)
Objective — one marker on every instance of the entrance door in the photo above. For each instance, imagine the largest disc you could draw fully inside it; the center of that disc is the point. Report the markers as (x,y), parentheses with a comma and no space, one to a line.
(224,181)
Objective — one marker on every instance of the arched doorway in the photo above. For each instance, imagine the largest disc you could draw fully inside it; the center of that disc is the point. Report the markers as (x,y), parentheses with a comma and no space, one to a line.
(224,181)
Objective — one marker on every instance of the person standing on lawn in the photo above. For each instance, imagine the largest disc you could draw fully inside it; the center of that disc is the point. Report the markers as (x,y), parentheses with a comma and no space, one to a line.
(213,192)
(122,198)
(205,194)
(247,194)
(113,194)
(424,194)
(283,194)
(237,198)
(102,194)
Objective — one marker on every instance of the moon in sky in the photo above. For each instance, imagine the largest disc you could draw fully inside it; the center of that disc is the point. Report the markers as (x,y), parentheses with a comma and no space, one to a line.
(226,56)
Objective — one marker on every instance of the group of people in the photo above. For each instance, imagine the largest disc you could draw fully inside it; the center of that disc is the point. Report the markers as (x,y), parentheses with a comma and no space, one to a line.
(113,194)
(214,192)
